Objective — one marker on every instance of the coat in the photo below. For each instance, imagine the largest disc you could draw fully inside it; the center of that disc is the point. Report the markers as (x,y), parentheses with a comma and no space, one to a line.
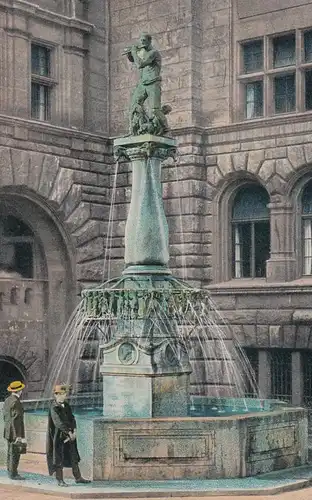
(13,416)
(60,422)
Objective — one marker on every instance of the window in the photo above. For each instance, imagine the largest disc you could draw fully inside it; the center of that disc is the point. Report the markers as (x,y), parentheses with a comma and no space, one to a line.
(284,94)
(40,60)
(308,46)
(307,228)
(250,233)
(306,358)
(253,93)
(308,89)
(41,82)
(281,374)
(284,51)
(16,247)
(276,75)
(254,99)
(253,56)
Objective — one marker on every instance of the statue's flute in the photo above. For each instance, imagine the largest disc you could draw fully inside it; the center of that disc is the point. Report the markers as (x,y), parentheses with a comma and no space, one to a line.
(127,50)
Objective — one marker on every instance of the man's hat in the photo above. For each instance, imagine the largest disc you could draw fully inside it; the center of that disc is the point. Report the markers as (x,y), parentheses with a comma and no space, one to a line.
(61,389)
(16,386)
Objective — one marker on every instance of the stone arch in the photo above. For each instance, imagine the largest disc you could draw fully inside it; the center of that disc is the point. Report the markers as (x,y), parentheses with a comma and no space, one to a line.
(10,370)
(31,329)
(52,181)
(293,192)
(274,173)
(233,181)
(224,194)
(297,180)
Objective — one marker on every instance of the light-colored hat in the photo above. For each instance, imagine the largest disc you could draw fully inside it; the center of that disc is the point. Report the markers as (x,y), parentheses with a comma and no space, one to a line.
(61,389)
(16,386)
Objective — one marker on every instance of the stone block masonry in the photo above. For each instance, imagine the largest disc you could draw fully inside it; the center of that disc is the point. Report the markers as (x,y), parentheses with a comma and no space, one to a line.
(190,448)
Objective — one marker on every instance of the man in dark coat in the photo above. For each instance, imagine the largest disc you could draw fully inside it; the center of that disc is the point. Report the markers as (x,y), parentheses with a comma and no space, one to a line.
(62,448)
(14,430)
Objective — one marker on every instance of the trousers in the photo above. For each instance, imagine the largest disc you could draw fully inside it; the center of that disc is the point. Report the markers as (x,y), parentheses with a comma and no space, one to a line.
(13,459)
(75,470)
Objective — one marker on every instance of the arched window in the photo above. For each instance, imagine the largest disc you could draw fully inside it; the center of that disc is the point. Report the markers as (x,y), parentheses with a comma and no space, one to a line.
(307,228)
(250,232)
(16,247)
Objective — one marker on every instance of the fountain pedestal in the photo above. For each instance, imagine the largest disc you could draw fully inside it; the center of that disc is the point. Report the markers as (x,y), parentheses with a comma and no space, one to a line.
(144,380)
(145,367)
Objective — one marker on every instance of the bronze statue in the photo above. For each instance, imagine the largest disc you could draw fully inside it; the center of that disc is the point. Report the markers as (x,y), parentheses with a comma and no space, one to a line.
(152,119)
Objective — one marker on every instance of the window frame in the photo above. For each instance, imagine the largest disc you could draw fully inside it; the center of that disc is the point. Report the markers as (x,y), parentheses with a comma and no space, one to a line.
(269,73)
(234,223)
(48,82)
(283,352)
(304,217)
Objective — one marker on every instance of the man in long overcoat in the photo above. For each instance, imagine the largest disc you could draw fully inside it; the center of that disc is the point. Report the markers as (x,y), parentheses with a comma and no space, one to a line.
(62,448)
(14,430)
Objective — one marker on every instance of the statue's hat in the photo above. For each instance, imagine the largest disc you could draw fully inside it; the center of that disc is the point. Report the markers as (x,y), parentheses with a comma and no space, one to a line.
(16,386)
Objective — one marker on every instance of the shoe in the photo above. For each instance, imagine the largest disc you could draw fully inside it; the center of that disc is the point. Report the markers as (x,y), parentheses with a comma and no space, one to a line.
(16,477)
(62,483)
(82,480)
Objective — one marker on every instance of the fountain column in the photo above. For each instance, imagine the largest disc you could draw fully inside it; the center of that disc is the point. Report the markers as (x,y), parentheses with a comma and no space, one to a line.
(146,234)
(145,367)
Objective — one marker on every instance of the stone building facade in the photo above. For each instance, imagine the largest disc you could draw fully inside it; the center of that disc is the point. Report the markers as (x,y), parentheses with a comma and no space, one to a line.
(238,76)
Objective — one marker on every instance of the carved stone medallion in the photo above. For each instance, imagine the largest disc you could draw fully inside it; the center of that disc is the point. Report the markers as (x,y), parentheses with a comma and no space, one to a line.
(127,353)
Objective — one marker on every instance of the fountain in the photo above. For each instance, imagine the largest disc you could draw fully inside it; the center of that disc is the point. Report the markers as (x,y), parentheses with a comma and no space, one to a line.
(148,426)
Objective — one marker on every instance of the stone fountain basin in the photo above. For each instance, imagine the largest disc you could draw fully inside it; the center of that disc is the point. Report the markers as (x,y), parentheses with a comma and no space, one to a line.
(186,447)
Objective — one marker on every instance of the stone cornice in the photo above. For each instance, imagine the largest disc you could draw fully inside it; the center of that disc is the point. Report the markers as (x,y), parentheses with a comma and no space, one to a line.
(72,49)
(18,33)
(188,131)
(47,15)
(261,287)
(273,121)
(48,128)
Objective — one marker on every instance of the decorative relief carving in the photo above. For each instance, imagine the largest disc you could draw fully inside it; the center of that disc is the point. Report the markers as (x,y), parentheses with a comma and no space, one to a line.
(146,150)
(267,442)
(173,447)
(127,353)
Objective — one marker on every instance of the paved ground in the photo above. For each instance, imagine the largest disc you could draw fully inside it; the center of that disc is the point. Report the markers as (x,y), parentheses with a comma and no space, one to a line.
(305,494)
(37,464)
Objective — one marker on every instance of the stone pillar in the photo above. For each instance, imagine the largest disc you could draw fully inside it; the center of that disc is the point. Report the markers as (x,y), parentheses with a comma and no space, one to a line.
(146,233)
(145,367)
(282,265)
(144,381)
(18,64)
(73,86)
(264,374)
(297,379)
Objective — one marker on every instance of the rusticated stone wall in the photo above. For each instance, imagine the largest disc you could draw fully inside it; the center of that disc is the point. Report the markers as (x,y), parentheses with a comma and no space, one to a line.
(272,312)
(61,189)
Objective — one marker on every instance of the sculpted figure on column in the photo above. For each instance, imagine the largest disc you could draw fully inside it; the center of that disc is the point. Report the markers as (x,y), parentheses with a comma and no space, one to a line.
(150,119)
